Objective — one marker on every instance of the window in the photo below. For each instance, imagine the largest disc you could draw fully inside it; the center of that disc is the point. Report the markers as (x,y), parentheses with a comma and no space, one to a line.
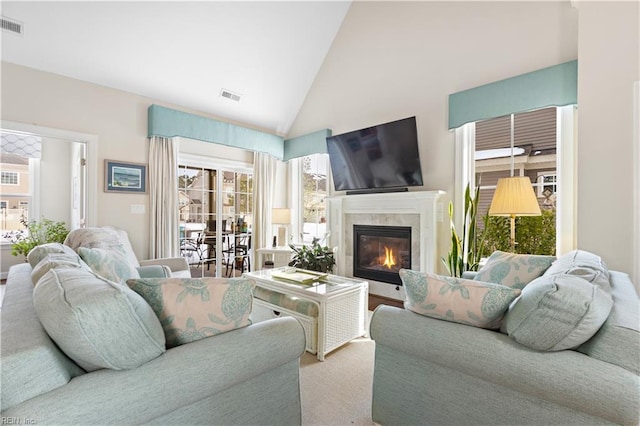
(523,144)
(314,191)
(9,178)
(533,153)
(61,187)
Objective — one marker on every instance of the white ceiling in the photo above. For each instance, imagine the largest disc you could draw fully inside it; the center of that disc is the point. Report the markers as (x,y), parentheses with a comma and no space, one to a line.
(184,52)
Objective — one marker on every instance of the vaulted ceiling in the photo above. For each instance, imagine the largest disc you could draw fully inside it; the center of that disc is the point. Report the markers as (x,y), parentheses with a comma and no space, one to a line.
(184,53)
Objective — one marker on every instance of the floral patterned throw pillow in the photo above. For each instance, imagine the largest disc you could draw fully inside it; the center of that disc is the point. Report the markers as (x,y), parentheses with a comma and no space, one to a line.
(512,269)
(456,299)
(105,237)
(109,264)
(191,309)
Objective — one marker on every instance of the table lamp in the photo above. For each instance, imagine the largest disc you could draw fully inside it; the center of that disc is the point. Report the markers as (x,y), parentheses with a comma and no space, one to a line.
(281,217)
(514,196)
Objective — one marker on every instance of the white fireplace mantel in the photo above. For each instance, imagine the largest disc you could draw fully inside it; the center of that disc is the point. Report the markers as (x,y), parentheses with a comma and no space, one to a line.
(421,208)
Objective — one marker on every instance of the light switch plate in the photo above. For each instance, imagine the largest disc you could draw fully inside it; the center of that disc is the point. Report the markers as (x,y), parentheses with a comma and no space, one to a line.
(137,208)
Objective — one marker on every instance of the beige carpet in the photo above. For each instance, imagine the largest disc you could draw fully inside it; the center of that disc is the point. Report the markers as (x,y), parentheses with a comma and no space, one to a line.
(338,390)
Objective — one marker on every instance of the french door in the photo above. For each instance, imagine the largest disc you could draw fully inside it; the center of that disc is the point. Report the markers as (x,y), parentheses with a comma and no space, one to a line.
(216,216)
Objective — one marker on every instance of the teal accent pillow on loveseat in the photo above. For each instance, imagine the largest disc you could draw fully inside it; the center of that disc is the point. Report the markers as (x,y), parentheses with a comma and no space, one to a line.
(97,323)
(513,269)
(565,307)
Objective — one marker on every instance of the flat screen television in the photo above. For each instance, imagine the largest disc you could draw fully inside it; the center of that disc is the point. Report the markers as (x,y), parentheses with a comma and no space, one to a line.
(377,158)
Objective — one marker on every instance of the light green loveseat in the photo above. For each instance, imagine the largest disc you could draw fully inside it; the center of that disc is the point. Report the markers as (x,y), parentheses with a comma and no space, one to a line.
(246,376)
(432,371)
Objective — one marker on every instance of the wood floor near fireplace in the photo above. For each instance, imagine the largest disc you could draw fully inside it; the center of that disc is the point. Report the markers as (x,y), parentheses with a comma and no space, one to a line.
(375,300)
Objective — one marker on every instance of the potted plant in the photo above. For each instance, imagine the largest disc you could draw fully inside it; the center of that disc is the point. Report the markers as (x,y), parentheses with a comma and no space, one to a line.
(36,233)
(314,257)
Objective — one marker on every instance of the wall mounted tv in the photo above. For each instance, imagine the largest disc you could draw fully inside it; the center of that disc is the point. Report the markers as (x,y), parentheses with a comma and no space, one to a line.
(376,159)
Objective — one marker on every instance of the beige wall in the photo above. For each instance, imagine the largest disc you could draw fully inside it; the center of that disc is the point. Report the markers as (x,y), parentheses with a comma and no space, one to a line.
(119,120)
(396,59)
(609,64)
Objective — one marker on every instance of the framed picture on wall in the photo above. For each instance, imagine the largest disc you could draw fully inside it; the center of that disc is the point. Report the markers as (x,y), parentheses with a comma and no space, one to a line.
(121,176)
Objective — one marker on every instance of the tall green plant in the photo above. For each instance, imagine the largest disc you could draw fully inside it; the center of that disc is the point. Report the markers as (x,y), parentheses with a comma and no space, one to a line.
(466,250)
(453,262)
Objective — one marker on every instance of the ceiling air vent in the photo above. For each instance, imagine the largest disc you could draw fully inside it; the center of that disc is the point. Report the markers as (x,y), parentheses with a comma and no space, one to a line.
(230,95)
(11,25)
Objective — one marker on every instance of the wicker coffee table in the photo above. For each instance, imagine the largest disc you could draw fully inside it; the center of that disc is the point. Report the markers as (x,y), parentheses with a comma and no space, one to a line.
(341,307)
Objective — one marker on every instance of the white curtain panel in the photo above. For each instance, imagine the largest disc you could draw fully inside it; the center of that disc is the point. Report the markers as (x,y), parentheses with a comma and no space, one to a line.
(264,173)
(163,187)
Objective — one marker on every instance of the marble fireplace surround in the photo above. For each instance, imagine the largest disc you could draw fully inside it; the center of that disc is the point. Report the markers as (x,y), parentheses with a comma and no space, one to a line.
(418,209)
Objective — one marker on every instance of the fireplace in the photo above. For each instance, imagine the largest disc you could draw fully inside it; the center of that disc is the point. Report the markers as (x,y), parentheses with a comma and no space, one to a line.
(381,251)
(422,211)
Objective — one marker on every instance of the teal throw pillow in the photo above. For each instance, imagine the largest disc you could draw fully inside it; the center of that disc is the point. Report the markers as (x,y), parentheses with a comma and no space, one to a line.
(512,269)
(96,322)
(40,252)
(108,263)
(105,237)
(54,261)
(557,312)
(585,265)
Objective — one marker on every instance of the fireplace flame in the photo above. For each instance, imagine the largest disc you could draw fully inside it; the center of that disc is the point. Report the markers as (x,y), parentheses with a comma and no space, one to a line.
(389,258)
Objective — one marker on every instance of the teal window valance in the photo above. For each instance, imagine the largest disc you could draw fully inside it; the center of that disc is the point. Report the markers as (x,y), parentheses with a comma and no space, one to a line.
(311,143)
(552,86)
(169,123)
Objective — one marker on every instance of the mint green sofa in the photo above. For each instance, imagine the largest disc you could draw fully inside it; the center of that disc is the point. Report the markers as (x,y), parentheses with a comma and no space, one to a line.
(247,376)
(429,371)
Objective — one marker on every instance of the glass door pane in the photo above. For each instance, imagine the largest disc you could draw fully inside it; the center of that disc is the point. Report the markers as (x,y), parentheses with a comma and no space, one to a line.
(239,188)
(197,212)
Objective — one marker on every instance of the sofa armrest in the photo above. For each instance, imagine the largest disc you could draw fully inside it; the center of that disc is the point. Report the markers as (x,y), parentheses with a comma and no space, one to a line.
(178,265)
(180,377)
(154,271)
(567,378)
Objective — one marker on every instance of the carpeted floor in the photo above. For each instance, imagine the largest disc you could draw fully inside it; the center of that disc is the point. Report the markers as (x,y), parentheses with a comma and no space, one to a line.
(338,390)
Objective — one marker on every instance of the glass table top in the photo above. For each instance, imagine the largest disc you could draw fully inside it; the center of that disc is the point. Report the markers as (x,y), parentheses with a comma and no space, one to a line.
(323,284)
